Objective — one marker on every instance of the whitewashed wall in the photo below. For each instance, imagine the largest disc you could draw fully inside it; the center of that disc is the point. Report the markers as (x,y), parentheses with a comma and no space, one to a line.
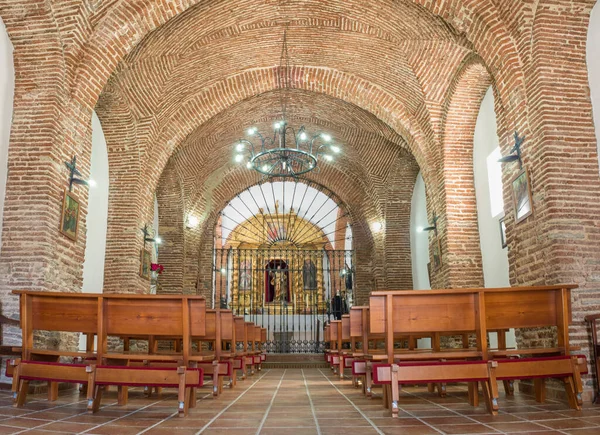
(495,259)
(419,241)
(97,218)
(489,202)
(7,90)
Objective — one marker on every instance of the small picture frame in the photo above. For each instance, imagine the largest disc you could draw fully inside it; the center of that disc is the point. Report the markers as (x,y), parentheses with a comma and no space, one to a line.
(503,232)
(429,272)
(145,263)
(521,194)
(69,216)
(437,254)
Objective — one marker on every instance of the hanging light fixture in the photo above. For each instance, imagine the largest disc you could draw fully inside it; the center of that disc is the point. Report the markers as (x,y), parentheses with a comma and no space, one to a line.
(289,151)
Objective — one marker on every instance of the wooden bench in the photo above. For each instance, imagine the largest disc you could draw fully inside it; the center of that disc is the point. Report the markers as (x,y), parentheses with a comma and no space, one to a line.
(477,311)
(591,319)
(107,315)
(182,378)
(473,372)
(240,346)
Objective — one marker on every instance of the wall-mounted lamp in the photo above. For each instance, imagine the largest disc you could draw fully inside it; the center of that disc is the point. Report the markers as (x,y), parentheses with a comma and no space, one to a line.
(149,235)
(74,173)
(376,227)
(432,227)
(191,221)
(515,152)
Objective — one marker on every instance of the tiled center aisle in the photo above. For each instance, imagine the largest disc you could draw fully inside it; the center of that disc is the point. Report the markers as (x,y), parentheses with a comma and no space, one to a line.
(298,402)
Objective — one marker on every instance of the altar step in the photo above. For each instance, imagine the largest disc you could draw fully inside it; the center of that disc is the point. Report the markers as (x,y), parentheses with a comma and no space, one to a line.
(295,361)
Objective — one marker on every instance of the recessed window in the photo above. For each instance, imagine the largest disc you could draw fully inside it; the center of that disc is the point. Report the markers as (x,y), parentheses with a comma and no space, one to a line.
(495,182)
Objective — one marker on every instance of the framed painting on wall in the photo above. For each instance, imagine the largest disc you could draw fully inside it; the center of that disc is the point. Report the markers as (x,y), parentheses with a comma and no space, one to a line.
(69,217)
(503,232)
(521,194)
(145,263)
(437,254)
(245,282)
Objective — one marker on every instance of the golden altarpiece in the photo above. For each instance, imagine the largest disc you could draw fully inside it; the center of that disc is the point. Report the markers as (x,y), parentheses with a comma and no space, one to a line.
(275,265)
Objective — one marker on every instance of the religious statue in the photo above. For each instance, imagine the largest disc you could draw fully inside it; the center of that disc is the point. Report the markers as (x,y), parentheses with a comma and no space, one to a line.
(279,283)
(309,275)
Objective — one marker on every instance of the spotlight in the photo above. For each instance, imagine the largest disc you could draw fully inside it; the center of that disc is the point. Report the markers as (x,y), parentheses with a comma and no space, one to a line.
(240,147)
(335,149)
(92,183)
(249,165)
(376,226)
(328,157)
(239,158)
(326,137)
(192,221)
(303,136)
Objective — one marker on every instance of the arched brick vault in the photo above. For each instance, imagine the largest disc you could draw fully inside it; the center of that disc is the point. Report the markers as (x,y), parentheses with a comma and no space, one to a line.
(65,53)
(361,175)
(67,57)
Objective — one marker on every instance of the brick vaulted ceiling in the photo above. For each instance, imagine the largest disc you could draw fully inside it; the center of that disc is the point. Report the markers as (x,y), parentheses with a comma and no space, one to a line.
(397,82)
(190,88)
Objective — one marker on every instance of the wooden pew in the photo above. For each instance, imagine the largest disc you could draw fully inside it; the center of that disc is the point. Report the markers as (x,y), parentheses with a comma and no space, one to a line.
(249,345)
(359,333)
(478,311)
(217,363)
(239,361)
(344,338)
(60,312)
(107,315)
(263,341)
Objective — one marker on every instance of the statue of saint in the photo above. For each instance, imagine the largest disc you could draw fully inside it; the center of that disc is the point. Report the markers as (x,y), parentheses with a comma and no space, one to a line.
(279,282)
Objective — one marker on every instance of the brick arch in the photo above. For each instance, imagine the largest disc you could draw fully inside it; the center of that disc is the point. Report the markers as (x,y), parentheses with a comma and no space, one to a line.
(453,200)
(353,199)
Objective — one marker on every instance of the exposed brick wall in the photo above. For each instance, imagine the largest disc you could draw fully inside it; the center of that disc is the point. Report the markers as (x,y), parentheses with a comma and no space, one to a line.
(171,252)
(397,253)
(176,79)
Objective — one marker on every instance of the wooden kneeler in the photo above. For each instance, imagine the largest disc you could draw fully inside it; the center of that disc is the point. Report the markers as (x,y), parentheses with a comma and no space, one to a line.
(25,371)
(184,379)
(395,375)
(567,367)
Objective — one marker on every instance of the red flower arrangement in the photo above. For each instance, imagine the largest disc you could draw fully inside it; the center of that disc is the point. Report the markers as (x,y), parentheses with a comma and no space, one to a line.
(155,267)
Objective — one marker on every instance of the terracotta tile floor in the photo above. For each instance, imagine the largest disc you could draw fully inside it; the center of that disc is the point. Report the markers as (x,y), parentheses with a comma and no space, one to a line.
(298,402)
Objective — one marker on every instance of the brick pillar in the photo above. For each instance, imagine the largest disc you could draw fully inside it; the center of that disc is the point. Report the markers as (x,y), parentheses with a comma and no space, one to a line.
(131,198)
(400,186)
(455,203)
(171,224)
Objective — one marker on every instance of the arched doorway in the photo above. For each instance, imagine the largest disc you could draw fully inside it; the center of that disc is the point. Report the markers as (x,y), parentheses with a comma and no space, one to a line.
(283,255)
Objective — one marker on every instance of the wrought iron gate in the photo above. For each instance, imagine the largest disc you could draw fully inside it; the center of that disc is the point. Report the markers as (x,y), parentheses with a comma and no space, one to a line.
(289,291)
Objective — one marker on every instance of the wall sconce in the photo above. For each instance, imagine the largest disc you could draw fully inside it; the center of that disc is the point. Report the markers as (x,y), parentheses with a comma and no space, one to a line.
(74,172)
(432,227)
(515,152)
(376,227)
(191,221)
(149,236)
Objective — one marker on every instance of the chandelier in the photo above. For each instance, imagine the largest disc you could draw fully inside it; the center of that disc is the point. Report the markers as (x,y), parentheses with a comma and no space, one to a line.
(289,151)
